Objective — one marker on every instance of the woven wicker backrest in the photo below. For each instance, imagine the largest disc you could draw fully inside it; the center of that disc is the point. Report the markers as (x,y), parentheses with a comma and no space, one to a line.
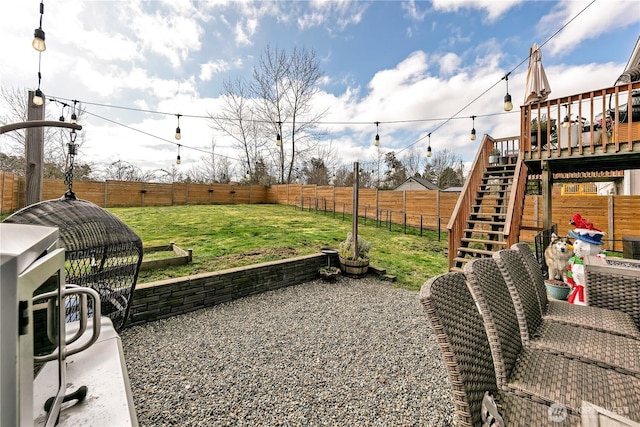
(498,313)
(535,272)
(101,251)
(522,289)
(463,343)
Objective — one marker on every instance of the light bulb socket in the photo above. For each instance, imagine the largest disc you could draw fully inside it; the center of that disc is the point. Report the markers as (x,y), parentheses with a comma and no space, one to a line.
(74,118)
(38,40)
(508,105)
(178,134)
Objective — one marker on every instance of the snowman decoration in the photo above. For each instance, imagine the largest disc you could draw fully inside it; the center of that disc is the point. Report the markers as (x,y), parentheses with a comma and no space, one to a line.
(588,241)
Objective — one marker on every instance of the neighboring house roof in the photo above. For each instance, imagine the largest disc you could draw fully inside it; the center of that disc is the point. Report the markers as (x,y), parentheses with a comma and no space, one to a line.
(414,183)
(453,189)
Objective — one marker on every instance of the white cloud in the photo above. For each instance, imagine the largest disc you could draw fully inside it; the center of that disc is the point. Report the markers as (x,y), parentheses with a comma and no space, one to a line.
(214,67)
(332,13)
(412,11)
(169,35)
(495,9)
(601,17)
(244,31)
(449,63)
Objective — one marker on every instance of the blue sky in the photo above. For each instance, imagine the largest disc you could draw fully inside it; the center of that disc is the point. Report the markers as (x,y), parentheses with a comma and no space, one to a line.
(383,61)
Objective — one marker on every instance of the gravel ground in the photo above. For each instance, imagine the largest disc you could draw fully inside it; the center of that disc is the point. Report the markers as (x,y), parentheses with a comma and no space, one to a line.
(350,353)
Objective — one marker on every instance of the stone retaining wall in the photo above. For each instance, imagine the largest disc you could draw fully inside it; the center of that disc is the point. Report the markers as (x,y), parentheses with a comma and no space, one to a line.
(166,298)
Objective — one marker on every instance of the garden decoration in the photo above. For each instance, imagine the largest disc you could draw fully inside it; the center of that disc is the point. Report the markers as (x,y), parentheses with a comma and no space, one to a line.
(354,266)
(328,272)
(588,240)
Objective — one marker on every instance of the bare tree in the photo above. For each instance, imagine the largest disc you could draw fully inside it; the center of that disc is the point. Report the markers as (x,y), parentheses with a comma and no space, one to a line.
(237,118)
(121,170)
(412,161)
(285,86)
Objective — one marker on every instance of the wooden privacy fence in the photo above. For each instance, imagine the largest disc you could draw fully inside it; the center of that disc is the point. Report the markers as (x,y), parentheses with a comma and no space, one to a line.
(616,215)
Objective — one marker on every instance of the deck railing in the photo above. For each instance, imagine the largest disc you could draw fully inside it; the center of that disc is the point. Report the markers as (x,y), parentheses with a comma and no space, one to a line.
(604,120)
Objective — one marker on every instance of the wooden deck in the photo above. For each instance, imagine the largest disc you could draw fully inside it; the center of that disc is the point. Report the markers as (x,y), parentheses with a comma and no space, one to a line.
(585,145)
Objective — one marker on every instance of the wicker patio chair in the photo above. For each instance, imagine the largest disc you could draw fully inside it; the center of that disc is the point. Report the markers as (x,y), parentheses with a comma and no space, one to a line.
(101,251)
(540,375)
(614,284)
(617,352)
(600,319)
(464,347)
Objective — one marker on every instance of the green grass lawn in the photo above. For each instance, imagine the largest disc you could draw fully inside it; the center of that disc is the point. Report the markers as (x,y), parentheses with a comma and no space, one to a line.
(225,236)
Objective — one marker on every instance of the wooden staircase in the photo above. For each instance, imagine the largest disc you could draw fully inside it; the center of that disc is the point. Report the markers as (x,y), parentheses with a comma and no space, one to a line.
(484,233)
(488,214)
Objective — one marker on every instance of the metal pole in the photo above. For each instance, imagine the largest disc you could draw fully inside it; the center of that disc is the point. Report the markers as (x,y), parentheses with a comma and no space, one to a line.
(354,222)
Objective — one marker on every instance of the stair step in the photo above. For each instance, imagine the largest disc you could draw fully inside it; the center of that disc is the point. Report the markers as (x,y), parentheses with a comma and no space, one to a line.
(473,230)
(483,241)
(484,221)
(475,251)
(487,213)
(458,269)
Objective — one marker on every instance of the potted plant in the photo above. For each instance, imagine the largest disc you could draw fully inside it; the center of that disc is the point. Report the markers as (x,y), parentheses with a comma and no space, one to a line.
(354,266)
(543,125)
(329,273)
(494,157)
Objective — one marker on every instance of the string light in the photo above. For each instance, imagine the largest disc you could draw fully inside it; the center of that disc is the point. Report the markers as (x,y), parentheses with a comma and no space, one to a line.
(377,140)
(473,128)
(508,105)
(279,136)
(38,36)
(178,134)
(429,153)
(178,160)
(74,117)
(38,96)
(62,112)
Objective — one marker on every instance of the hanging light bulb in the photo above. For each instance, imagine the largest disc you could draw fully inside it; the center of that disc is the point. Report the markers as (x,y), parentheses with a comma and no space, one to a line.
(473,129)
(38,35)
(178,134)
(247,175)
(38,97)
(62,112)
(178,160)
(279,136)
(377,141)
(429,152)
(508,105)
(297,180)
(74,118)
(566,122)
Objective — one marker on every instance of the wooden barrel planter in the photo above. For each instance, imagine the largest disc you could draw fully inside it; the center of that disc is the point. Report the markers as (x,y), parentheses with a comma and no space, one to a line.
(354,268)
